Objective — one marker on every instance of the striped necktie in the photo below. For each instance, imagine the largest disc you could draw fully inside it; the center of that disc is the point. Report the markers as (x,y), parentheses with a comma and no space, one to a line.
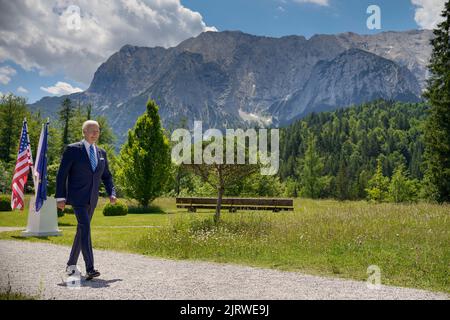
(92,157)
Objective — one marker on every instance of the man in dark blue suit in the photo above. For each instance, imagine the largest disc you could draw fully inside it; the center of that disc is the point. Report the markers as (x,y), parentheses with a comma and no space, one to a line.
(83,166)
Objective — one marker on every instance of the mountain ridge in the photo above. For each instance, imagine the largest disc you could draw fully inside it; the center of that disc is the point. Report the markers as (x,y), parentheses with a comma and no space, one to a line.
(218,77)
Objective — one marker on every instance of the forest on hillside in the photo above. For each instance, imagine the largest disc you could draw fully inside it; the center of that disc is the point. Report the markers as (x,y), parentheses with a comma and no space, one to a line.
(347,144)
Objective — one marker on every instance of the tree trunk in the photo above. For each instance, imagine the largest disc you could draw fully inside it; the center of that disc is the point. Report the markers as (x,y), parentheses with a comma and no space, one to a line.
(144,202)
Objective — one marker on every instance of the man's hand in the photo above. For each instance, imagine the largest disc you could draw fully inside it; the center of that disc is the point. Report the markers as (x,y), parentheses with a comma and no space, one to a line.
(61,205)
(112,200)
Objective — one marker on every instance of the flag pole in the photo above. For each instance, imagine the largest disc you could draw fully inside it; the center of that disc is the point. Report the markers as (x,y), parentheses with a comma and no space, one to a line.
(41,168)
(38,154)
(31,154)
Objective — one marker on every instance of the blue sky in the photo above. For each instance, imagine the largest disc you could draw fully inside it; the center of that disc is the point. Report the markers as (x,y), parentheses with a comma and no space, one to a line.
(33,82)
(58,60)
(279,18)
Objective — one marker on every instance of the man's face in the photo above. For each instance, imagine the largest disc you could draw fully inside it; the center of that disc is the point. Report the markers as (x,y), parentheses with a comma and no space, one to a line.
(91,133)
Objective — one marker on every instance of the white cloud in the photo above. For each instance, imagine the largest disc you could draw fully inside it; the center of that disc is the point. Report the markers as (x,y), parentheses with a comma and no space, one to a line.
(22,90)
(61,88)
(318,2)
(6,72)
(428,12)
(39,34)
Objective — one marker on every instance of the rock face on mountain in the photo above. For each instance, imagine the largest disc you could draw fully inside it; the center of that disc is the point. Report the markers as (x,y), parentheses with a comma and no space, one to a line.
(232,79)
(353,77)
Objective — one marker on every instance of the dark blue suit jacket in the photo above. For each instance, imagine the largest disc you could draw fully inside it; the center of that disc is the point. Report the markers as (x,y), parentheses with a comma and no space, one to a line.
(77,182)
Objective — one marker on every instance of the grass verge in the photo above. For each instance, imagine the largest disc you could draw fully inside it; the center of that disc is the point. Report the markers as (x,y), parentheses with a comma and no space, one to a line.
(409,243)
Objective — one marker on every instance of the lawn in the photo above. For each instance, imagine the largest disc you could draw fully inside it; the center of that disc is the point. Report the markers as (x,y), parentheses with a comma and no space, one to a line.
(409,243)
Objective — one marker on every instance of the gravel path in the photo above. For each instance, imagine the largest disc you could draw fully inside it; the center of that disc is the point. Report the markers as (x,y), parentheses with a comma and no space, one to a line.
(38,269)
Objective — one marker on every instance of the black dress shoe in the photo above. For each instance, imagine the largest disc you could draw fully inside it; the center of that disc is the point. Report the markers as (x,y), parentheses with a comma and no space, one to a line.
(92,274)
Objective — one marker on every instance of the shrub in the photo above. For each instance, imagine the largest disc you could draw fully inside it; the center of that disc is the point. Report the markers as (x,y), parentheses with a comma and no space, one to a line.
(117,209)
(69,210)
(5,203)
(402,188)
(60,212)
(378,189)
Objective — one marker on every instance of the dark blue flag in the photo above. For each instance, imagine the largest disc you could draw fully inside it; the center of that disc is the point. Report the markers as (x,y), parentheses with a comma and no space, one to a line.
(40,170)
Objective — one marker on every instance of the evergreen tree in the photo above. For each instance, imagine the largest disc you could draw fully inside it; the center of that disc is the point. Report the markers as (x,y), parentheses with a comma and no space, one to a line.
(362,183)
(77,118)
(143,166)
(378,185)
(312,181)
(342,182)
(107,137)
(88,111)
(437,134)
(12,111)
(65,114)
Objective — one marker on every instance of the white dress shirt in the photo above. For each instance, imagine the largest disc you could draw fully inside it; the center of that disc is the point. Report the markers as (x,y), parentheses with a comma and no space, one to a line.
(87,146)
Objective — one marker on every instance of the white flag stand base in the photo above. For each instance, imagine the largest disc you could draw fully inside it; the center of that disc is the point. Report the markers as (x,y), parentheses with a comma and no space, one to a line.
(44,223)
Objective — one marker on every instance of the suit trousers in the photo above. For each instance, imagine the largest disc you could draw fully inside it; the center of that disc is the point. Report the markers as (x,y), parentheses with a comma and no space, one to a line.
(82,239)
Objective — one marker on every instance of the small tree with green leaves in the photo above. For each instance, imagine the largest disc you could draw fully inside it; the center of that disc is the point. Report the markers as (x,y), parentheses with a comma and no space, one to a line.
(143,166)
(221,175)
(378,185)
(401,188)
(12,111)
(6,171)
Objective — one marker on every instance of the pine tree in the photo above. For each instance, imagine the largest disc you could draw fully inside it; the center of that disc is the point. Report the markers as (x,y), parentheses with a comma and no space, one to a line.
(88,111)
(378,185)
(143,167)
(342,182)
(76,120)
(65,115)
(437,133)
(310,172)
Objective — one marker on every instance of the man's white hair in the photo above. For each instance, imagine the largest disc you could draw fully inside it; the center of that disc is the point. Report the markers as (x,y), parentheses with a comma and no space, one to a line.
(89,123)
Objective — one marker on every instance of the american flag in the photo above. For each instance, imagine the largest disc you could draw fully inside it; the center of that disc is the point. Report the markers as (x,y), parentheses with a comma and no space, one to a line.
(23,165)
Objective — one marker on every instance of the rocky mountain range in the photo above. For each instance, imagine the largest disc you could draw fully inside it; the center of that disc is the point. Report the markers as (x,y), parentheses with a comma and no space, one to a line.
(235,80)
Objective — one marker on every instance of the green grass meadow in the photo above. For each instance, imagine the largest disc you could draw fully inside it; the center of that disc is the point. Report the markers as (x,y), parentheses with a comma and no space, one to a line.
(409,243)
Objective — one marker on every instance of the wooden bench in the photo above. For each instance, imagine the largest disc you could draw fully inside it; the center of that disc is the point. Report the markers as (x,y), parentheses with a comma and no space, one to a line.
(234,204)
